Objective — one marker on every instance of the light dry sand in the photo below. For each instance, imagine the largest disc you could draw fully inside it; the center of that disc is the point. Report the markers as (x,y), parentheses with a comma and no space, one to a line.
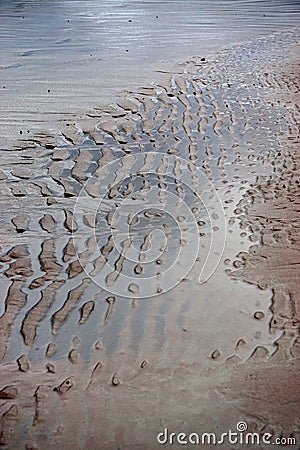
(84,369)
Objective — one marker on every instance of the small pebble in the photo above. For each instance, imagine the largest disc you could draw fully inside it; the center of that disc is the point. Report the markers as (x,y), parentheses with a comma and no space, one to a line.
(216,354)
(259,315)
(133,288)
(115,380)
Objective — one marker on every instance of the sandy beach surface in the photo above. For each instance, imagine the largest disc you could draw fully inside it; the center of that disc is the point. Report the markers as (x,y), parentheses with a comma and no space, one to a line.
(60,58)
(150,227)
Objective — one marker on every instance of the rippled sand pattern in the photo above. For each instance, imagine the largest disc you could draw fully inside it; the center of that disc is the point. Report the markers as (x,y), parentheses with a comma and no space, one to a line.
(57,61)
(236,119)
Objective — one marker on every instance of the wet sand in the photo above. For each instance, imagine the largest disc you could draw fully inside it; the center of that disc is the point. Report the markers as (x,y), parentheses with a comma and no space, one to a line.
(88,363)
(57,61)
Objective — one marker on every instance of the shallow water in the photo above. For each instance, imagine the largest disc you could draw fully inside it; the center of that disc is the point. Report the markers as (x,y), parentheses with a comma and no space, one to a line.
(64,57)
(198,133)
